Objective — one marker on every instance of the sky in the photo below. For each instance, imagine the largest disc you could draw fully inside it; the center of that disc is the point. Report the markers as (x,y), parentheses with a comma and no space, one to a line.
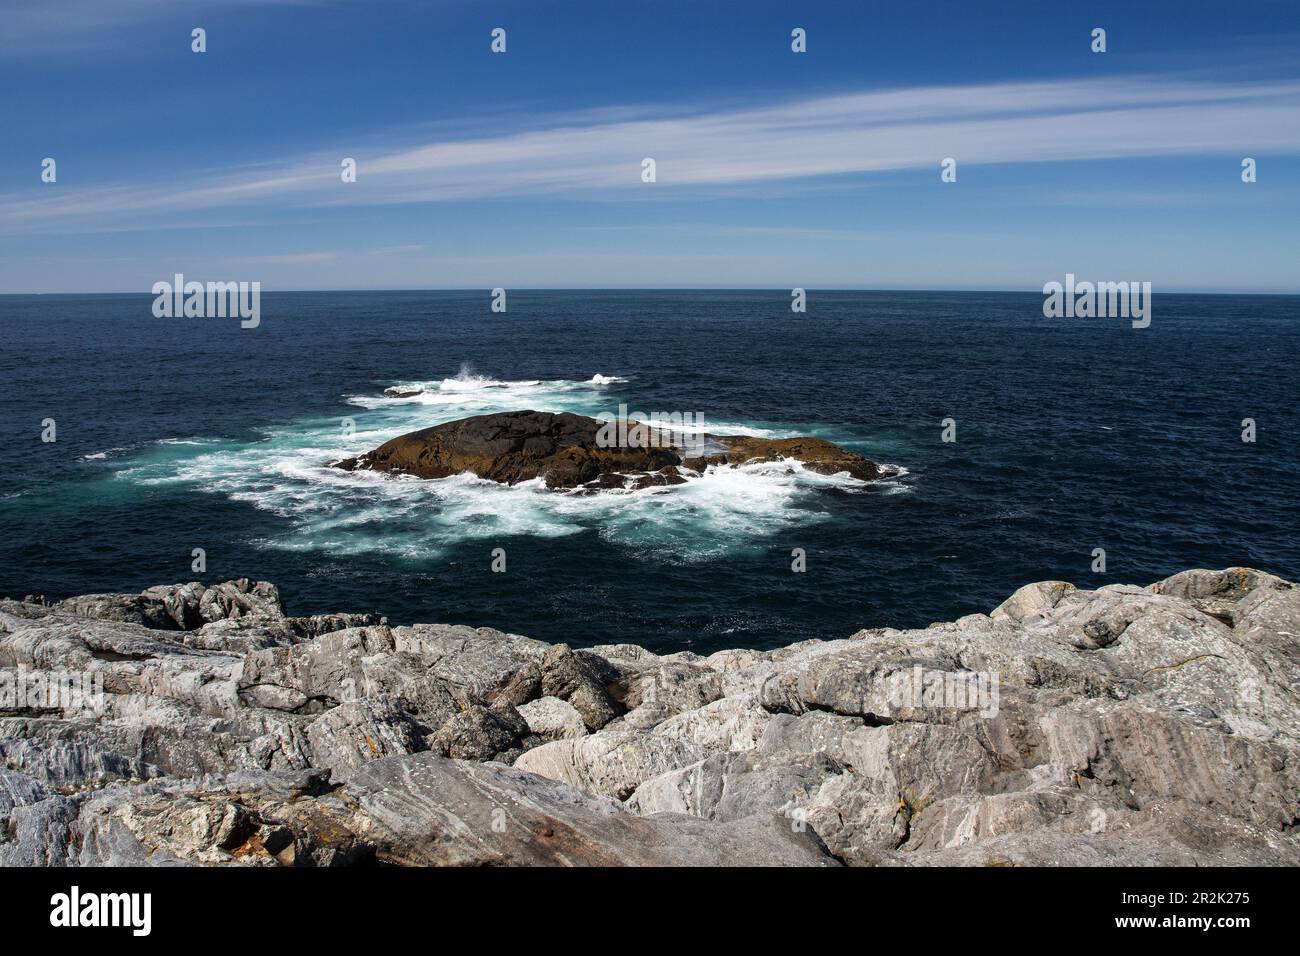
(773,168)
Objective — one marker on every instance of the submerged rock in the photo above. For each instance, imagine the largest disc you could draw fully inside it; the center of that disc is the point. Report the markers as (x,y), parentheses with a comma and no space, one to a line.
(569,451)
(1119,726)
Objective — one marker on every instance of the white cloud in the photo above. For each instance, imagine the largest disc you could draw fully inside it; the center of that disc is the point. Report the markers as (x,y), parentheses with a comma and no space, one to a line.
(598,155)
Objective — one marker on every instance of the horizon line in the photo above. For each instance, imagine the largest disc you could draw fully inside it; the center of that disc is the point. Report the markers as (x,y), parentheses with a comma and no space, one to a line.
(773,288)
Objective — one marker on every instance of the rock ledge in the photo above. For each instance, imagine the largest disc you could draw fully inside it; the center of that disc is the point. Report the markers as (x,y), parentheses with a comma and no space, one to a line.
(199,724)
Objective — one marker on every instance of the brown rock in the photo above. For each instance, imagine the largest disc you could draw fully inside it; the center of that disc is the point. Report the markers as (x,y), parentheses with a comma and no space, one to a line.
(563,448)
(817,454)
(512,447)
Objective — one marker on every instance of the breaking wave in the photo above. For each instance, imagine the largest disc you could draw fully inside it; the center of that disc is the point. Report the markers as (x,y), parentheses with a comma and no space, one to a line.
(287,473)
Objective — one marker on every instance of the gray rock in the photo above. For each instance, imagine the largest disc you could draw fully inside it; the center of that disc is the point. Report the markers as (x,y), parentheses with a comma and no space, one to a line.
(425,810)
(736,785)
(125,608)
(353,734)
(1115,726)
(610,764)
(475,661)
(730,723)
(673,688)
(583,680)
(181,602)
(553,719)
(239,599)
(480,733)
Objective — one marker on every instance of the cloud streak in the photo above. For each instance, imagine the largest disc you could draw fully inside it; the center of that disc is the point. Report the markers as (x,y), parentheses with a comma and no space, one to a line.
(782,146)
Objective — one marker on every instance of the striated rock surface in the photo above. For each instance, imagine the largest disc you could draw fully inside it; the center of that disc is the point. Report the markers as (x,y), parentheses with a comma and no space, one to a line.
(198,724)
(566,450)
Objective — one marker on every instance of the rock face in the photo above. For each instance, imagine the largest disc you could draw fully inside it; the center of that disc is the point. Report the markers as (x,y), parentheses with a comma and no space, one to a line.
(566,450)
(1124,725)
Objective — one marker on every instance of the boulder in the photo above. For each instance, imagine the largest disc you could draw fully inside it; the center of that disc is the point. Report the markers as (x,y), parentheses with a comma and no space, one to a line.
(553,719)
(482,733)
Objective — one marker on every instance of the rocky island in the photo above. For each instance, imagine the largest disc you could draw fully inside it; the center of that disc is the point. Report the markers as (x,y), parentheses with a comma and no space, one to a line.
(202,725)
(568,452)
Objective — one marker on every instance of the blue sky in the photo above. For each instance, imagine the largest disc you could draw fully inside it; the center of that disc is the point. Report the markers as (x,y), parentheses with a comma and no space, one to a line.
(775,169)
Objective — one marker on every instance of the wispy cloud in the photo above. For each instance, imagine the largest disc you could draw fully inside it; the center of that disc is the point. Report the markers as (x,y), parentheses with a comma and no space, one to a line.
(71,26)
(598,155)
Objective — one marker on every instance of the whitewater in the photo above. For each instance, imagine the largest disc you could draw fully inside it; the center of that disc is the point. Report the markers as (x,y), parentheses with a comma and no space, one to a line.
(287,473)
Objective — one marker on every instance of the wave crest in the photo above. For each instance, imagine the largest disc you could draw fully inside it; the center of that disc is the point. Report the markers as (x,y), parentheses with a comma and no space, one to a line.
(287,473)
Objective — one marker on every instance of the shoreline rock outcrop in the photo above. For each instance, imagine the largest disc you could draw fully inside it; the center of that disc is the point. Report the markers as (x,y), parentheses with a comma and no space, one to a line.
(199,724)
(567,451)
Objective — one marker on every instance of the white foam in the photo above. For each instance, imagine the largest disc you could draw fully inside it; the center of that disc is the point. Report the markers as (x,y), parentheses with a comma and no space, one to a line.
(469,394)
(107,453)
(287,473)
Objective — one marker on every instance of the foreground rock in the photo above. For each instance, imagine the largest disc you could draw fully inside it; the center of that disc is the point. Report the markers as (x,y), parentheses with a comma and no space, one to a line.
(199,724)
(567,450)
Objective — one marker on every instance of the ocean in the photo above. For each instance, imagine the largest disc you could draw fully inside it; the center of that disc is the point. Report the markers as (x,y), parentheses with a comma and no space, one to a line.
(1071,435)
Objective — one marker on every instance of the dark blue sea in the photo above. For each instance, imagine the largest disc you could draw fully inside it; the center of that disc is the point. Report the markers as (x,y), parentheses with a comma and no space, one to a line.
(1072,435)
